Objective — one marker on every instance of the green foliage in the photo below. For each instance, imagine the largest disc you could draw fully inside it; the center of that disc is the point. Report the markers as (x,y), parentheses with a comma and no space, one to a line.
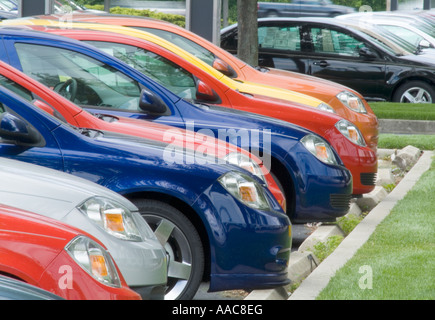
(173,18)
(323,249)
(348,223)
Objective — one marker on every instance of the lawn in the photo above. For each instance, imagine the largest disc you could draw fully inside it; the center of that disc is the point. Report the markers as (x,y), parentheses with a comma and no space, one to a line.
(391,110)
(410,111)
(398,260)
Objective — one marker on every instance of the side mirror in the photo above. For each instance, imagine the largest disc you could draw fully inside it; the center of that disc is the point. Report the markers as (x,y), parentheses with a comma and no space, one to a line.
(205,93)
(367,53)
(14,129)
(424,44)
(152,104)
(224,67)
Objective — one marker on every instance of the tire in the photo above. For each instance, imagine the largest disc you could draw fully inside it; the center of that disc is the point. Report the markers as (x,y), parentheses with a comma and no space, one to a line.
(415,92)
(182,243)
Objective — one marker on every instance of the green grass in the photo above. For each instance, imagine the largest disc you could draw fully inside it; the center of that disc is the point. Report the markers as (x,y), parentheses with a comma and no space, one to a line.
(400,253)
(396,141)
(409,111)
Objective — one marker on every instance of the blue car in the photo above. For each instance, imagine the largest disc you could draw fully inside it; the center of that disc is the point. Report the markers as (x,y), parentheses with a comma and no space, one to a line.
(213,219)
(316,188)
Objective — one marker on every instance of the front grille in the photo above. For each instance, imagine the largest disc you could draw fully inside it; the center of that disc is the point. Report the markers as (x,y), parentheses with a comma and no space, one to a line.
(368,179)
(340,201)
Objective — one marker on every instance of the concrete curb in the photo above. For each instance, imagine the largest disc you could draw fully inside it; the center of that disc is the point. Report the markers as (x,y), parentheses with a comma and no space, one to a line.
(319,278)
(304,265)
(398,126)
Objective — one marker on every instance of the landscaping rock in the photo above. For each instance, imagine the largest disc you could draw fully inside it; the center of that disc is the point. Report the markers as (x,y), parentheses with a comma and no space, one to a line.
(407,157)
(384,177)
(368,201)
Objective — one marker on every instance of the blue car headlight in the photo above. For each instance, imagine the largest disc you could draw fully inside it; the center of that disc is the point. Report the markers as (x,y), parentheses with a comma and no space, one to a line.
(245,189)
(319,148)
(113,217)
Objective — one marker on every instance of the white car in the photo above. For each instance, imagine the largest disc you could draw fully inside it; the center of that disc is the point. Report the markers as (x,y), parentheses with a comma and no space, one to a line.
(409,28)
(105,214)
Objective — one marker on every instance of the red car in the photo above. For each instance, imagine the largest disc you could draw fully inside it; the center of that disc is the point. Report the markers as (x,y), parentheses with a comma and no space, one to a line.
(73,114)
(58,258)
(361,160)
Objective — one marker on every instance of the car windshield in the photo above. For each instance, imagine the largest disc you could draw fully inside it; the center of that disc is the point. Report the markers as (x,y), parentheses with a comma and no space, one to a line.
(97,84)
(158,68)
(390,50)
(188,45)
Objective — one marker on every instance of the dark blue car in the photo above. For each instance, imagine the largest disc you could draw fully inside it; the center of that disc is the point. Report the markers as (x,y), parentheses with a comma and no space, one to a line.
(316,189)
(215,219)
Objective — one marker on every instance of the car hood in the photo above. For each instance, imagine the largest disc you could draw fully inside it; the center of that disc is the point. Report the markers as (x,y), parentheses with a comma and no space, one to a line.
(47,191)
(421,60)
(177,136)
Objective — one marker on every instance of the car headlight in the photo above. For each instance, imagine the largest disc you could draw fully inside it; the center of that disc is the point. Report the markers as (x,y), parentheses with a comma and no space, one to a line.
(325,107)
(245,189)
(352,101)
(350,131)
(245,162)
(94,259)
(319,148)
(112,217)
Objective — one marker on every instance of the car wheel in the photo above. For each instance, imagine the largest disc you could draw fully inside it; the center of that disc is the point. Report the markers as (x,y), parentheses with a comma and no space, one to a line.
(182,243)
(415,92)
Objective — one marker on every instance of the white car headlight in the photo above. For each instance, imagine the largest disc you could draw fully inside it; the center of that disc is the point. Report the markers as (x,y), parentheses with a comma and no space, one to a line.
(350,131)
(325,107)
(244,162)
(352,101)
(245,189)
(94,259)
(112,217)
(319,148)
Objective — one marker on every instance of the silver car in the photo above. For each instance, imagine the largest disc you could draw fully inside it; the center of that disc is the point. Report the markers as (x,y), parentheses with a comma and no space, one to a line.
(106,215)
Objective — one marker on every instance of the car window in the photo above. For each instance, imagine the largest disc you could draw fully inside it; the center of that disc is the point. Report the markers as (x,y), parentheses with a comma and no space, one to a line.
(188,45)
(404,33)
(97,83)
(334,42)
(16,88)
(283,38)
(158,68)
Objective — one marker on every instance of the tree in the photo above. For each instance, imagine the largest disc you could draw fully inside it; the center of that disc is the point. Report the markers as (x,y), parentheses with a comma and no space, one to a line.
(247,48)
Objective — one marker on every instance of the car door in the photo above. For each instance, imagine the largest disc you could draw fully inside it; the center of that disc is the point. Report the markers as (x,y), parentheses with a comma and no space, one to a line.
(341,56)
(40,147)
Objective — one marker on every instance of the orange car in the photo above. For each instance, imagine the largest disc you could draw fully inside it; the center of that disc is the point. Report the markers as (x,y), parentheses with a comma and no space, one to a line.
(346,102)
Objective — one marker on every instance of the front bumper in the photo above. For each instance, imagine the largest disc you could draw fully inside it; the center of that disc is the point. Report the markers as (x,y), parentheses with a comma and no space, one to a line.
(322,191)
(249,249)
